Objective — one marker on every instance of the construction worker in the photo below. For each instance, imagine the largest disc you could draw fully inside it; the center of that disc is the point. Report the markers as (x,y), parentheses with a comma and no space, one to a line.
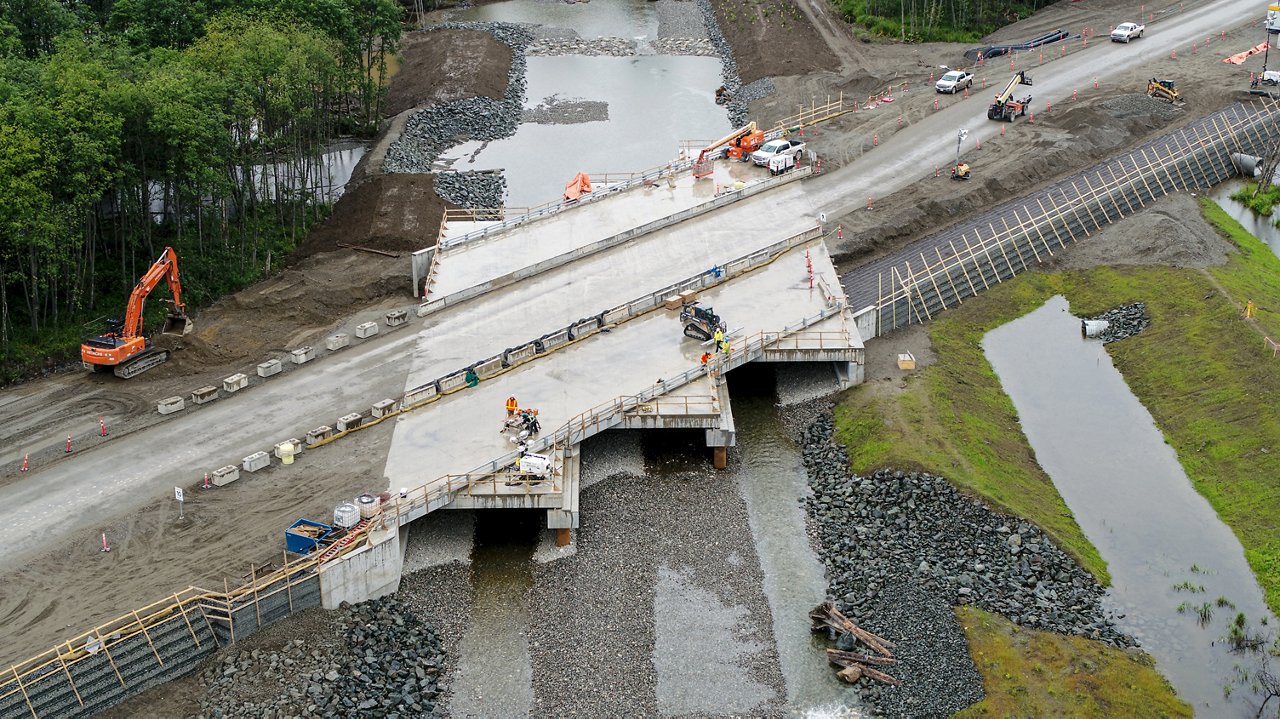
(512,406)
(706,357)
(724,346)
(718,337)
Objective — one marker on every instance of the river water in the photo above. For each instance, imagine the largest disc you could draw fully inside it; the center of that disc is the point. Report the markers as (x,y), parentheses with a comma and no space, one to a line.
(654,102)
(1261,227)
(1164,545)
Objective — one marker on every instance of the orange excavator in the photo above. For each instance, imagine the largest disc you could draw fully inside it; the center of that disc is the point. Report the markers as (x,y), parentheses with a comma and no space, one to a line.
(742,142)
(121,345)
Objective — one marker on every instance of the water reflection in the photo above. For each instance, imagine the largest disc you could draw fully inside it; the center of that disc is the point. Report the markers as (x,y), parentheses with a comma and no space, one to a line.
(1164,545)
(1261,227)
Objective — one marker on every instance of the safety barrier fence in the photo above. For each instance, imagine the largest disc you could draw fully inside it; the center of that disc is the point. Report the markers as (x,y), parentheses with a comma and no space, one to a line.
(578,253)
(940,271)
(158,642)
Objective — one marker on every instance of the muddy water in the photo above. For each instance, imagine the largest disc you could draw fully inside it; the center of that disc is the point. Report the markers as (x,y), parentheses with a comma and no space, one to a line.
(1162,542)
(772,481)
(654,102)
(495,675)
(1261,227)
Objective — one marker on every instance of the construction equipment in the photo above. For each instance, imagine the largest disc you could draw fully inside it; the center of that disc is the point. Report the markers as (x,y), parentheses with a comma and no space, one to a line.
(701,323)
(961,172)
(742,142)
(522,425)
(1164,90)
(122,345)
(1005,107)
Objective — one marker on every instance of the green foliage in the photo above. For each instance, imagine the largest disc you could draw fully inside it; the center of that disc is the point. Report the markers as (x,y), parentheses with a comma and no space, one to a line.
(934,20)
(1261,203)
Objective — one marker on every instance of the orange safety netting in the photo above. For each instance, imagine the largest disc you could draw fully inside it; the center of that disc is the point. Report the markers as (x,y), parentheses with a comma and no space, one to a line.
(579,184)
(1239,58)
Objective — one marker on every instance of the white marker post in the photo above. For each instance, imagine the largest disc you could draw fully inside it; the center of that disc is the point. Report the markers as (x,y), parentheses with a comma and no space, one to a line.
(177,494)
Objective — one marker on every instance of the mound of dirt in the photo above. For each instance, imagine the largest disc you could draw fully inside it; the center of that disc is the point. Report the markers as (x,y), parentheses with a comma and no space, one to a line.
(447,65)
(1171,233)
(773,39)
(394,213)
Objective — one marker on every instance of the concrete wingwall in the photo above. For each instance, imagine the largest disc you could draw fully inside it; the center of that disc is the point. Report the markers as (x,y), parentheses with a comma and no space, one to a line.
(938,271)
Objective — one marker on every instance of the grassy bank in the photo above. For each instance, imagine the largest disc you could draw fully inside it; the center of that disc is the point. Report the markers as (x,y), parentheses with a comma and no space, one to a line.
(1027,673)
(1200,369)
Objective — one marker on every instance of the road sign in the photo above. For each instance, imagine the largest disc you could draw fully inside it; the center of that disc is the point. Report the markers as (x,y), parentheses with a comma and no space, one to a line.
(177,493)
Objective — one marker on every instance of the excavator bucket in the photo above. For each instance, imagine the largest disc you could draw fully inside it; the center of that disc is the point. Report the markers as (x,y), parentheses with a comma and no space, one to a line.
(176,323)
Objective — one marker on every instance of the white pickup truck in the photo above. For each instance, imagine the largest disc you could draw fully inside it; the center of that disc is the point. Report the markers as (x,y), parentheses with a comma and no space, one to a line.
(772,148)
(1127,31)
(954,81)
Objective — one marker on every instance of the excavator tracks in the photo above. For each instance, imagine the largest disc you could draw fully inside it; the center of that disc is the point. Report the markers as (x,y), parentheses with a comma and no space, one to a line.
(141,363)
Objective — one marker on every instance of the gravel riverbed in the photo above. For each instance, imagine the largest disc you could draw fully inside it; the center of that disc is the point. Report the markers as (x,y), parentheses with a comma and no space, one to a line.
(1123,322)
(902,548)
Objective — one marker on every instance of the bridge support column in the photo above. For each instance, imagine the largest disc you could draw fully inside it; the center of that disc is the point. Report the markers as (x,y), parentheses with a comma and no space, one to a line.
(849,374)
(725,436)
(566,517)
(562,537)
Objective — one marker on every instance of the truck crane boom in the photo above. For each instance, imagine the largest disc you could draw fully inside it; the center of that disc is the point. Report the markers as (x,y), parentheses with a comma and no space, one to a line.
(742,142)
(123,346)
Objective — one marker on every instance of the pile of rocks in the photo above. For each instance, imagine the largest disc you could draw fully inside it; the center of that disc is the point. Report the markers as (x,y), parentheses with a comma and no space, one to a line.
(900,548)
(1124,321)
(475,189)
(737,107)
(432,130)
(556,111)
(380,661)
(685,46)
(756,90)
(616,46)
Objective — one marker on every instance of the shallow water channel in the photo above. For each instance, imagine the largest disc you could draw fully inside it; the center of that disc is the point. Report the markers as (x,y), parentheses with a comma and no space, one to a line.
(1164,545)
(1261,227)
(654,102)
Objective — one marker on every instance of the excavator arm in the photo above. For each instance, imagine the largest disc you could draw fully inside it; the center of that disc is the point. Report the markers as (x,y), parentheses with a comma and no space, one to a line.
(165,268)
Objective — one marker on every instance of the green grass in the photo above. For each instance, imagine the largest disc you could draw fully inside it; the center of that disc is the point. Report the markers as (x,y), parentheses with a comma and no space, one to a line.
(1200,369)
(1029,673)
(1261,204)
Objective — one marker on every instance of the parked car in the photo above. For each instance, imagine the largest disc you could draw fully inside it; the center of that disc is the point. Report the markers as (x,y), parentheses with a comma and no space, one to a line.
(772,148)
(954,81)
(1127,31)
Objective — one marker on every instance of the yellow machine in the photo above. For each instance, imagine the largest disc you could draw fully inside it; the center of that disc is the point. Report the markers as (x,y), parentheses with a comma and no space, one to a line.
(961,171)
(1005,107)
(1164,90)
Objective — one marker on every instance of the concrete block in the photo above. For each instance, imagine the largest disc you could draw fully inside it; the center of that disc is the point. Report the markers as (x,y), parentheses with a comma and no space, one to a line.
(226,475)
(270,367)
(672,303)
(488,368)
(324,431)
(256,461)
(204,395)
(297,447)
(418,394)
(368,329)
(169,405)
(235,382)
(386,406)
(423,309)
(395,318)
(616,315)
(347,422)
(302,355)
(337,342)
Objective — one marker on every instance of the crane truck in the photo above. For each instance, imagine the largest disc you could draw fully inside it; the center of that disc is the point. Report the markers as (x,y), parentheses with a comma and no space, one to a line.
(1005,107)
(742,142)
(122,346)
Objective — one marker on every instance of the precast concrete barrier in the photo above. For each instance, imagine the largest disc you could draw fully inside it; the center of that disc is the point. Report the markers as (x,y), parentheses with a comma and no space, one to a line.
(302,355)
(235,383)
(349,421)
(270,367)
(337,341)
(366,330)
(421,393)
(551,340)
(451,382)
(204,395)
(383,407)
(223,476)
(169,405)
(489,367)
(395,318)
(256,461)
(516,355)
(319,434)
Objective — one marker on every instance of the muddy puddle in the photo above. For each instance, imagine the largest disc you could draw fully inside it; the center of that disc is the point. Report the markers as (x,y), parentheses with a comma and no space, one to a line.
(642,107)
(771,479)
(1260,227)
(1179,575)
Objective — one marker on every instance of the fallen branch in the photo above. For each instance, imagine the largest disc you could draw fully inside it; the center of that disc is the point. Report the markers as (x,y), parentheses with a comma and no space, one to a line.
(826,615)
(844,659)
(384,253)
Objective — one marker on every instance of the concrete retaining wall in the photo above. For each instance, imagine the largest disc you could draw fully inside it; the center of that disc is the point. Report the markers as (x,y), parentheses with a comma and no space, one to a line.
(367,573)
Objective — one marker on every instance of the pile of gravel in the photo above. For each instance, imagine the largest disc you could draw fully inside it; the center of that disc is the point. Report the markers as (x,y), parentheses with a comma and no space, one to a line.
(551,46)
(380,660)
(901,548)
(555,110)
(476,189)
(1124,321)
(737,107)
(432,130)
(680,19)
(1139,105)
(685,46)
(757,90)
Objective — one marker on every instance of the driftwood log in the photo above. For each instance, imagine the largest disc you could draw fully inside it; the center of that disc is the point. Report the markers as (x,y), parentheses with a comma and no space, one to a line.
(853,665)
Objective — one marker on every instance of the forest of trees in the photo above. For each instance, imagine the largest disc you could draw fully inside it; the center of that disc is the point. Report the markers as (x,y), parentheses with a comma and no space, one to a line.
(936,20)
(129,125)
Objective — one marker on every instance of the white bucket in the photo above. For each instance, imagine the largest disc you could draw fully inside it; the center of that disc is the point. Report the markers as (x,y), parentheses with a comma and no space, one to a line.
(286,453)
(1093,328)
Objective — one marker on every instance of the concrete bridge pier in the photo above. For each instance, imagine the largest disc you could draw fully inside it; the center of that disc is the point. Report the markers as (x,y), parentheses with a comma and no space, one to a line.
(564,519)
(721,438)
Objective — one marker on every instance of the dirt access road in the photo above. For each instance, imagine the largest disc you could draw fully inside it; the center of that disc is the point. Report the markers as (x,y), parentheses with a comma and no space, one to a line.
(154,549)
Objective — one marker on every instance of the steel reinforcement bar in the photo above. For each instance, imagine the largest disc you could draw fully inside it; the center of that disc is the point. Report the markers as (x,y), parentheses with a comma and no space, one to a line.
(941,270)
